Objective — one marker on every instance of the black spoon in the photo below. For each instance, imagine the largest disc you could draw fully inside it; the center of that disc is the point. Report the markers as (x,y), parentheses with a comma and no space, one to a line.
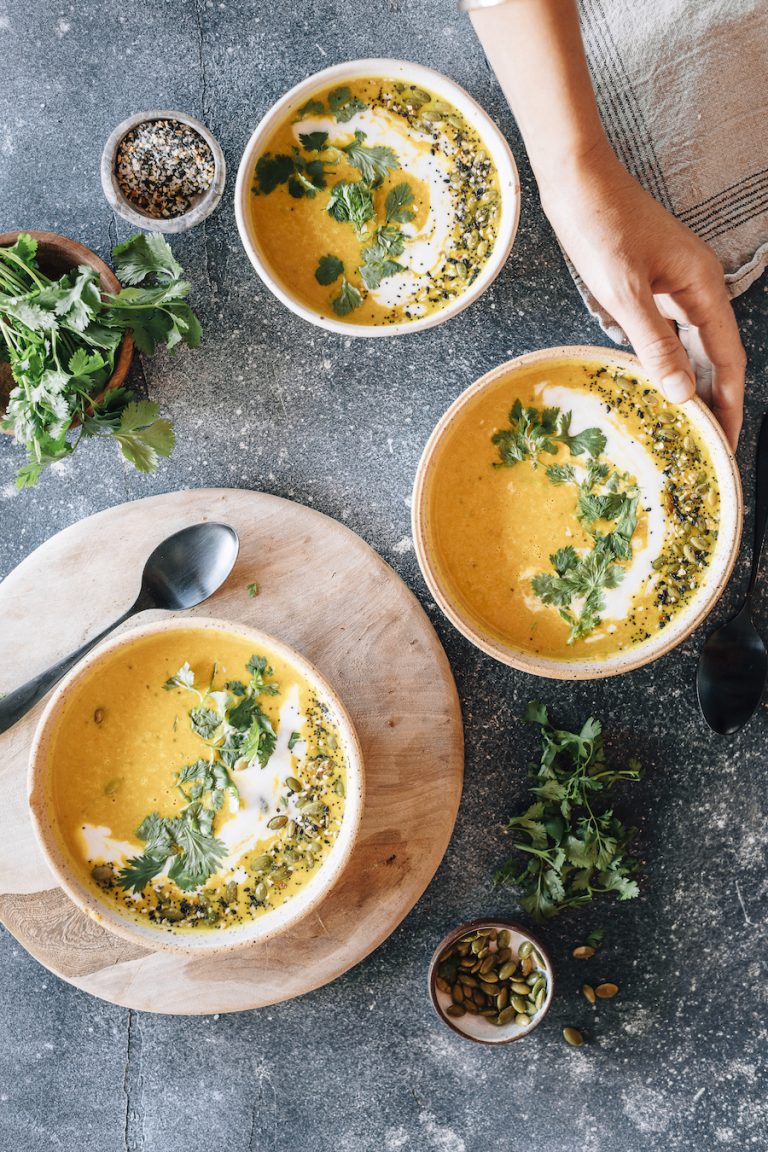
(183,571)
(734,663)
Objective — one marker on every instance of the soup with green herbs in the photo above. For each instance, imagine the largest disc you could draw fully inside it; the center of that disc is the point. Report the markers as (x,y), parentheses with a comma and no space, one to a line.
(572,513)
(376,203)
(196,784)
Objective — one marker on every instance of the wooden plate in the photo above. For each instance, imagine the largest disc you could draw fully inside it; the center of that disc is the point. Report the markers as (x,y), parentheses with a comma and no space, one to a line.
(323,591)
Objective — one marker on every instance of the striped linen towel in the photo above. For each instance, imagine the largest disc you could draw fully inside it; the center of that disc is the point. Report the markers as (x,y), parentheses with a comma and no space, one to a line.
(682,87)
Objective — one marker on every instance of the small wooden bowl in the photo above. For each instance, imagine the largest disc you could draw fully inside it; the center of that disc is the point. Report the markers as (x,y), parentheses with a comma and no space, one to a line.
(482,636)
(477,1028)
(57,255)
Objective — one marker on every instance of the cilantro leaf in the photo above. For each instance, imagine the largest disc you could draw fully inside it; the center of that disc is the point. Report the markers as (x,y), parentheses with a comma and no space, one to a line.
(311,108)
(143,438)
(375,163)
(347,300)
(184,678)
(328,269)
(397,205)
(313,141)
(144,255)
(351,202)
(271,171)
(561,474)
(344,105)
(590,440)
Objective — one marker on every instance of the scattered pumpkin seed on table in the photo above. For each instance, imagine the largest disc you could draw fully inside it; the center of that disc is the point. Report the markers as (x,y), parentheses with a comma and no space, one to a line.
(484,977)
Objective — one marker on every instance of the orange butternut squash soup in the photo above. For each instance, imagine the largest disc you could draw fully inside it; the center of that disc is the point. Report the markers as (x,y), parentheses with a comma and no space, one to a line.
(196,784)
(376,203)
(572,512)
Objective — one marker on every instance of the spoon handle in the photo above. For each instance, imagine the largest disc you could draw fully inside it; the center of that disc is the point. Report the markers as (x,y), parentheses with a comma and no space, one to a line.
(761,502)
(17,703)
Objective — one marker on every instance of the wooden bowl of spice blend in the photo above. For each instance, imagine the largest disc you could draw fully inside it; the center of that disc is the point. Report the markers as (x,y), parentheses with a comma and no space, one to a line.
(57,255)
(163,171)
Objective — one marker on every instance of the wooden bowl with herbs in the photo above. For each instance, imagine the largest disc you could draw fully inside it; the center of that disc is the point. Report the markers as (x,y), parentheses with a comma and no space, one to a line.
(56,256)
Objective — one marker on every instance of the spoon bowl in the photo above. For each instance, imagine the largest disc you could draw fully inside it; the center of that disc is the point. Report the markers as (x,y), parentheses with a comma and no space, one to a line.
(733,665)
(731,675)
(184,570)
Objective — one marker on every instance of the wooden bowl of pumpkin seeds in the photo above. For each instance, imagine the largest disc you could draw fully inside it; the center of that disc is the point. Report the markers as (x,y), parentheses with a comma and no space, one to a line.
(491,981)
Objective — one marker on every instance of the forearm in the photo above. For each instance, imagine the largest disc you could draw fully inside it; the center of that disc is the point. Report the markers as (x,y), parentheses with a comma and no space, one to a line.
(536,51)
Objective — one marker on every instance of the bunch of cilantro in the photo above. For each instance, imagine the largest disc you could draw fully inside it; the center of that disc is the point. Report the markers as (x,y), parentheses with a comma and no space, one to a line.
(61,337)
(571,844)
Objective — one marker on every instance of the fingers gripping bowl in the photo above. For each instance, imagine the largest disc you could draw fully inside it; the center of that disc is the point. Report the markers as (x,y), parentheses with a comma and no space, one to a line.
(196,786)
(569,521)
(377,198)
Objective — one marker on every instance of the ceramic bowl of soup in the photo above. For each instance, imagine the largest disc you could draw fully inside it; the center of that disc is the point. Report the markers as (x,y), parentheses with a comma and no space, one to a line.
(569,521)
(377,198)
(196,786)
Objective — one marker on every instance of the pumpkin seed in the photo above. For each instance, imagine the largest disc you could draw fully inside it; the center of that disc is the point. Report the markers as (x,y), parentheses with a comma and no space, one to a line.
(455,1010)
(527,966)
(487,964)
(505,1016)
(467,981)
(503,954)
(229,895)
(583,952)
(457,994)
(443,985)
(479,997)
(573,1037)
(260,863)
(471,1007)
(490,977)
(489,989)
(518,1003)
(277,822)
(171,914)
(507,970)
(540,998)
(525,949)
(502,999)
(606,991)
(503,938)
(102,873)
(522,1020)
(589,993)
(521,989)
(294,784)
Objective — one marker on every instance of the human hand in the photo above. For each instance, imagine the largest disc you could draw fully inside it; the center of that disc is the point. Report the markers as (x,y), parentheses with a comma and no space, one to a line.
(661,283)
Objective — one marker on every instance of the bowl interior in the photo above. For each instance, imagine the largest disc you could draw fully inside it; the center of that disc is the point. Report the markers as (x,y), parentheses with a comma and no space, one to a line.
(448,90)
(680,626)
(477,1027)
(66,870)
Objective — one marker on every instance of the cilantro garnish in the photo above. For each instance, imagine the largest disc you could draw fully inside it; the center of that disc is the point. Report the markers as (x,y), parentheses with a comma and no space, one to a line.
(344,105)
(573,847)
(311,108)
(577,585)
(375,163)
(239,734)
(61,338)
(351,202)
(397,204)
(347,299)
(329,268)
(313,141)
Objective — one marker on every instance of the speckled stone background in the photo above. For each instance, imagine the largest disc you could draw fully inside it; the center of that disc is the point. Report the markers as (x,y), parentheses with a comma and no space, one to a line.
(678,1060)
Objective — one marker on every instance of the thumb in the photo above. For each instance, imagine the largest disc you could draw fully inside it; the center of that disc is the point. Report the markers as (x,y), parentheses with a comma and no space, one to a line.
(658,347)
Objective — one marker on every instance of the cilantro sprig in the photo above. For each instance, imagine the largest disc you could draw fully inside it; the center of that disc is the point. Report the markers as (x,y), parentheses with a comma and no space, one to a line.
(239,734)
(533,432)
(61,337)
(572,845)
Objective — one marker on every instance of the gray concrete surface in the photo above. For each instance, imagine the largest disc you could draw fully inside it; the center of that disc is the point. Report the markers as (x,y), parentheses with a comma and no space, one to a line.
(677,1061)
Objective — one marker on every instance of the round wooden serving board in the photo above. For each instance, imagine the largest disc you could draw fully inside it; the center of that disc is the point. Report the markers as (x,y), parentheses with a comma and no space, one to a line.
(322,590)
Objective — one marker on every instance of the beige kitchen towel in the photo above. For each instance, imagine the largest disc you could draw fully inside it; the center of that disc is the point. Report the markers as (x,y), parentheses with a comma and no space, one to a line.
(682,87)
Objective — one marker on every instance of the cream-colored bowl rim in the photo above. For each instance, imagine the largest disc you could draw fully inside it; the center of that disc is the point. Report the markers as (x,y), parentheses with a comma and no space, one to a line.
(493,139)
(726,551)
(215,942)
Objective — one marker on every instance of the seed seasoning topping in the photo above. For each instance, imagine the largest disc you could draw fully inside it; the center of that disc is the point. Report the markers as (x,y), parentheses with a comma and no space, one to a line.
(163,167)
